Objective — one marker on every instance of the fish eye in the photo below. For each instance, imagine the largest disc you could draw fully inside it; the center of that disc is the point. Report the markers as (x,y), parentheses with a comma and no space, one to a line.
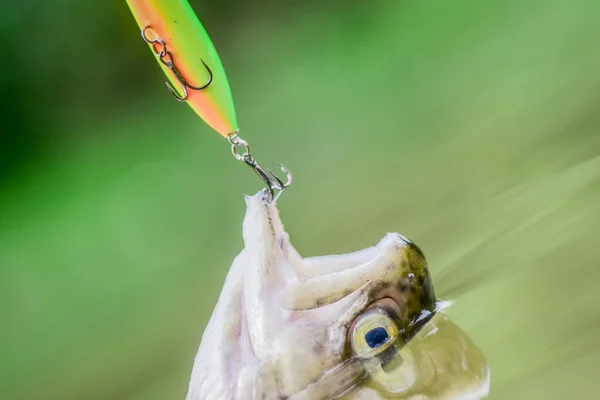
(372,333)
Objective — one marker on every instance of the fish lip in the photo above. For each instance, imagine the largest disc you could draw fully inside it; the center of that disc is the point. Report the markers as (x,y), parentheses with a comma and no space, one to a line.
(407,240)
(419,323)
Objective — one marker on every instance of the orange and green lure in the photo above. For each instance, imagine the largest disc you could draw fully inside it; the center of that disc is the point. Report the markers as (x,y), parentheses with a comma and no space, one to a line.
(189,59)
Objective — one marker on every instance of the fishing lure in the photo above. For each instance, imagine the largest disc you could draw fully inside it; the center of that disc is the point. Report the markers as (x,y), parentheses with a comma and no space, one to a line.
(195,73)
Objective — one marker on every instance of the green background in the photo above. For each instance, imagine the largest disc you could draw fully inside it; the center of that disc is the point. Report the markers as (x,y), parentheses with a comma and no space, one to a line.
(470,126)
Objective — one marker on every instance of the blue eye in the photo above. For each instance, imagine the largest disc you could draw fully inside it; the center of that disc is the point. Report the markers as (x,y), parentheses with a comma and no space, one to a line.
(376,337)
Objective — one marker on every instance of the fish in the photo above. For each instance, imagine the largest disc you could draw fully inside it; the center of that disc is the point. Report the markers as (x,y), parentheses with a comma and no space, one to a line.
(362,325)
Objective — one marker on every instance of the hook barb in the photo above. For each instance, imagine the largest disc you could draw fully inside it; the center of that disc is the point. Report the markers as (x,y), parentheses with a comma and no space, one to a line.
(280,185)
(272,181)
(208,82)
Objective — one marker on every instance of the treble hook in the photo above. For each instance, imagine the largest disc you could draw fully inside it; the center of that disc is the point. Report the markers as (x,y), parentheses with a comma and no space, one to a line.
(166,58)
(184,84)
(272,181)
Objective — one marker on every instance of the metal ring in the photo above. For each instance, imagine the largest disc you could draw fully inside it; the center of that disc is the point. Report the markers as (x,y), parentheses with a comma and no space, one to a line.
(146,37)
(164,50)
(237,142)
(154,42)
(163,58)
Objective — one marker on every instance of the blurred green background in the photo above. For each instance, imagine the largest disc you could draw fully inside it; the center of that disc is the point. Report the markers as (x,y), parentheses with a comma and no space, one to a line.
(470,126)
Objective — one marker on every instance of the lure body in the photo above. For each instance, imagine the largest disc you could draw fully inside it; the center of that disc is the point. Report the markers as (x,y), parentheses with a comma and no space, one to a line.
(192,55)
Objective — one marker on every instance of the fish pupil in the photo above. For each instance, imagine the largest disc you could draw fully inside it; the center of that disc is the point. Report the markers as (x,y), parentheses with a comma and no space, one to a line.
(376,337)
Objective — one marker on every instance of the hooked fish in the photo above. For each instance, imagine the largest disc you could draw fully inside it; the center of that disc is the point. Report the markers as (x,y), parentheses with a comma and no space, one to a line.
(364,325)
